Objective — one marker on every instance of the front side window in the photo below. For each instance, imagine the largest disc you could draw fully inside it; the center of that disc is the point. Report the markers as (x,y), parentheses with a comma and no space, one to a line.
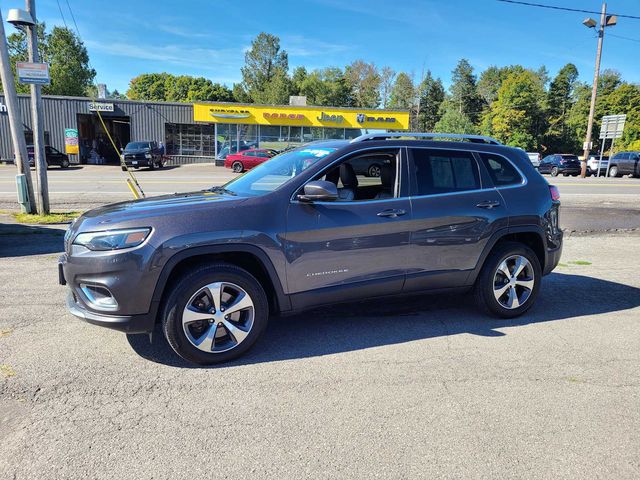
(269,176)
(501,171)
(444,171)
(371,175)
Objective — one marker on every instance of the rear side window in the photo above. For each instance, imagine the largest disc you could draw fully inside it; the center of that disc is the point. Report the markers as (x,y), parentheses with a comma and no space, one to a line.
(444,171)
(500,169)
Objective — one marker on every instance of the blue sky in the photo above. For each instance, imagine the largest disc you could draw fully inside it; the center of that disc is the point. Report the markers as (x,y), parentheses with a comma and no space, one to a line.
(208,38)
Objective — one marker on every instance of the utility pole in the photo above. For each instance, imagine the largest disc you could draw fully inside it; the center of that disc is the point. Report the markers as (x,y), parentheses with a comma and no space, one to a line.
(36,116)
(594,91)
(15,119)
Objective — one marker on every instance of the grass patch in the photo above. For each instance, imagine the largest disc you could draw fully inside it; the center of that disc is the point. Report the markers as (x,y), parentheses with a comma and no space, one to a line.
(52,218)
(5,333)
(580,262)
(7,371)
(562,264)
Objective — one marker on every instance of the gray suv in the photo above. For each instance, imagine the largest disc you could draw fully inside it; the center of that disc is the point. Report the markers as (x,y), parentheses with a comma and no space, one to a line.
(306,228)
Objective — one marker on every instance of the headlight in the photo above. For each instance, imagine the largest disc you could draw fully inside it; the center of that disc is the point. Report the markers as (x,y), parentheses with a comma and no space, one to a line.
(147,156)
(112,240)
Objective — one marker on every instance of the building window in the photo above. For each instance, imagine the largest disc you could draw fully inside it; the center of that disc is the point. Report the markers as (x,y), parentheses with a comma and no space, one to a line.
(190,139)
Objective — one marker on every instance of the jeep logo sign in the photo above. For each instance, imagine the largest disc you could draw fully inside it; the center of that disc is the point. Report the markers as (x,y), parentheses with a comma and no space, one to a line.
(362,118)
(324,117)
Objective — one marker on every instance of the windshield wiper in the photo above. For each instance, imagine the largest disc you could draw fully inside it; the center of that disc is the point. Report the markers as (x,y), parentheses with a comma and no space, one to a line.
(221,190)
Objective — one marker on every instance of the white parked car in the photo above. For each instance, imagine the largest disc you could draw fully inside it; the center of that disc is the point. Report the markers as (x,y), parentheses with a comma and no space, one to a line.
(592,164)
(535,158)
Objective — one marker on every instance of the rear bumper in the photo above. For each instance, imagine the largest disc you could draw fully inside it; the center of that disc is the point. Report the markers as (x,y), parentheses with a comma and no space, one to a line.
(552,260)
(123,323)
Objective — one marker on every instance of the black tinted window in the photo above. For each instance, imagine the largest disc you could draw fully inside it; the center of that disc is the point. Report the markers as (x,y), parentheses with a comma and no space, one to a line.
(500,169)
(443,171)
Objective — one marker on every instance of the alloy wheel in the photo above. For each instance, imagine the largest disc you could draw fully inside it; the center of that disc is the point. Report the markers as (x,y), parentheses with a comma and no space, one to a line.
(237,167)
(218,317)
(513,282)
(374,171)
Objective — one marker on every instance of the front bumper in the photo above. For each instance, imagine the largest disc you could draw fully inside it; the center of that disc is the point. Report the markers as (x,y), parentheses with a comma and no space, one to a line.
(123,323)
(138,163)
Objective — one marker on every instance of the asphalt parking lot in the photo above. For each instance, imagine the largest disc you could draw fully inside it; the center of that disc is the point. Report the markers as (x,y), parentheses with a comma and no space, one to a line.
(418,388)
(424,388)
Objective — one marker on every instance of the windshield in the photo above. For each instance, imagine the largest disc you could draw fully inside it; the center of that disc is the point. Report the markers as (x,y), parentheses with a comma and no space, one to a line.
(137,145)
(271,174)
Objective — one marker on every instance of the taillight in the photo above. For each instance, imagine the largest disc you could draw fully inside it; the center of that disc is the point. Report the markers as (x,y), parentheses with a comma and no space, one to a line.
(555,193)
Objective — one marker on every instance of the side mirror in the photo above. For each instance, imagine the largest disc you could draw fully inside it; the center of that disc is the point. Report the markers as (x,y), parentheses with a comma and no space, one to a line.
(319,191)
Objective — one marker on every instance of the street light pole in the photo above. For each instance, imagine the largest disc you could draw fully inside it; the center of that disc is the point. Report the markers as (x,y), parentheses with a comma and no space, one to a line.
(594,90)
(36,116)
(15,119)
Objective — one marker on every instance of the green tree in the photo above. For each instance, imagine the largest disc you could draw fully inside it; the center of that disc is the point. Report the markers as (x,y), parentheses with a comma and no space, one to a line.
(66,55)
(387,76)
(464,93)
(263,62)
(297,79)
(364,81)
(276,91)
(171,88)
(403,93)
(452,120)
(626,99)
(431,95)
(559,102)
(326,87)
(517,115)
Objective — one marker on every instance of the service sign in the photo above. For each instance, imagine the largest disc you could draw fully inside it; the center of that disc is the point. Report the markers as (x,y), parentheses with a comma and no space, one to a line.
(101,107)
(303,116)
(71,141)
(36,73)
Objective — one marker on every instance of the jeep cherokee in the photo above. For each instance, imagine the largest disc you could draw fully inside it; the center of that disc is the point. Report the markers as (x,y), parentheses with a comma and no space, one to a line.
(304,229)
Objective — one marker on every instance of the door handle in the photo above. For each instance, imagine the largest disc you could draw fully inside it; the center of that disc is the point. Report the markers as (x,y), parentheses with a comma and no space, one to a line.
(489,204)
(392,213)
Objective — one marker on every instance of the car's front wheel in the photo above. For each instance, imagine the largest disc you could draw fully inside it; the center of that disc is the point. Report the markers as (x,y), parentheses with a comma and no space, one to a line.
(215,314)
(64,163)
(509,281)
(554,172)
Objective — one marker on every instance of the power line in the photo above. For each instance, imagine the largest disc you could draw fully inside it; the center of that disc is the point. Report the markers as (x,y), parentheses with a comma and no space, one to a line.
(73,18)
(62,15)
(566,9)
(624,38)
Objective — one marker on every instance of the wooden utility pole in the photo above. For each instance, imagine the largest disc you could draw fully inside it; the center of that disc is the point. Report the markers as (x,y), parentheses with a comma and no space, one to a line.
(39,154)
(15,119)
(594,90)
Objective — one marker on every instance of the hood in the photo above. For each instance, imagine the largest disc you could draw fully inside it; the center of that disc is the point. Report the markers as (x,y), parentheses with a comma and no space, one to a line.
(149,210)
(136,150)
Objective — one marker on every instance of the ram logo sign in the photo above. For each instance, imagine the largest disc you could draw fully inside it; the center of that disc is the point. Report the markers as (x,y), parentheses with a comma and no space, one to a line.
(363,118)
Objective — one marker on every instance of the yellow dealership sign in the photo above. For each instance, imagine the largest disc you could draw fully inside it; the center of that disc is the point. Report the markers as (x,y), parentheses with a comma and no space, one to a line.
(330,117)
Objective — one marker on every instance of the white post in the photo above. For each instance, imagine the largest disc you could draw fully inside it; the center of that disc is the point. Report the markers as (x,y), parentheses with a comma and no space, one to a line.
(604,140)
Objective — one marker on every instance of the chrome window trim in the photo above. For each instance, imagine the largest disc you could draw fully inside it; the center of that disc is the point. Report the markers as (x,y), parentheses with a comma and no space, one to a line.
(293,198)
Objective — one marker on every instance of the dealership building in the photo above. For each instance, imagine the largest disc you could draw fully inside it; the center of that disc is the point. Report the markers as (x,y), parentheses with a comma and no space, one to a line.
(191,132)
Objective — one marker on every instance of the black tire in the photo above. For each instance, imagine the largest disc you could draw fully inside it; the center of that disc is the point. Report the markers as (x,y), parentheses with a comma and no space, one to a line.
(613,171)
(152,165)
(237,167)
(188,285)
(374,171)
(565,174)
(65,163)
(484,287)
(160,164)
(554,172)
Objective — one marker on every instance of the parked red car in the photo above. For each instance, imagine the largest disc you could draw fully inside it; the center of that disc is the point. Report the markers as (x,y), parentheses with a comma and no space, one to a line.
(247,159)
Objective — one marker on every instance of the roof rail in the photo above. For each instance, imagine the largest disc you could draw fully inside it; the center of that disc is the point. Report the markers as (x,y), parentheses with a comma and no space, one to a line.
(455,136)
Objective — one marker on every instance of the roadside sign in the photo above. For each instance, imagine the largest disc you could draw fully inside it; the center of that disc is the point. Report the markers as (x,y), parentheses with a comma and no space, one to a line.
(71,141)
(36,73)
(3,107)
(587,145)
(101,107)
(612,126)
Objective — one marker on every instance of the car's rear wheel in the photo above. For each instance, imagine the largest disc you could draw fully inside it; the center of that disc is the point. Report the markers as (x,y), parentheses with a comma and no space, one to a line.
(237,167)
(509,281)
(374,171)
(215,314)
(554,172)
(613,171)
